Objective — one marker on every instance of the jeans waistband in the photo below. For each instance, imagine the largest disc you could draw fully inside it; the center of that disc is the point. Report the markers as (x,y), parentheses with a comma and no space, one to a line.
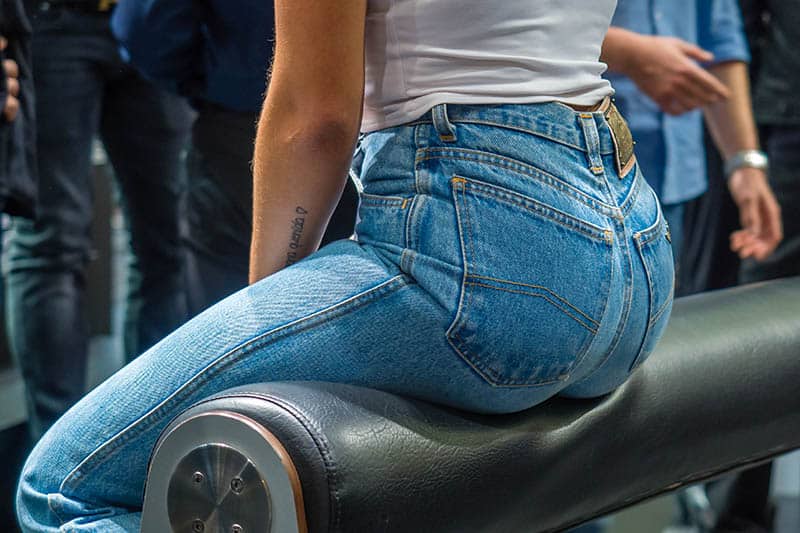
(552,120)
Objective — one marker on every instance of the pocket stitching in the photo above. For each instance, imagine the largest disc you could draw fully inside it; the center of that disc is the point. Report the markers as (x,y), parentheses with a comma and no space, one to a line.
(540,287)
(376,200)
(518,167)
(452,335)
(596,233)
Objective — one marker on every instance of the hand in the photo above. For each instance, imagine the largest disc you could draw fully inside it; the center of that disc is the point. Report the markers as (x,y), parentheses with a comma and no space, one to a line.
(11,106)
(666,70)
(759,214)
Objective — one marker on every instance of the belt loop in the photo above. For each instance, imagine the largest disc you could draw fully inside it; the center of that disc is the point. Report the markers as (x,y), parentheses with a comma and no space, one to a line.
(357,164)
(592,138)
(445,128)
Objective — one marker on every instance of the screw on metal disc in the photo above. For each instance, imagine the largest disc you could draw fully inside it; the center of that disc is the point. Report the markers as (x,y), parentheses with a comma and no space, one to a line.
(231,492)
(236,529)
(198,477)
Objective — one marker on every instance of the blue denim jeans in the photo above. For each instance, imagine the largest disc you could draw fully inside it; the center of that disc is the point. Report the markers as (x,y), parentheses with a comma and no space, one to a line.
(499,260)
(84,90)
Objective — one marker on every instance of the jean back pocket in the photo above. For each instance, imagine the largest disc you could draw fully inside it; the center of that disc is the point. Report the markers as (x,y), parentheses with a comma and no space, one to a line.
(536,282)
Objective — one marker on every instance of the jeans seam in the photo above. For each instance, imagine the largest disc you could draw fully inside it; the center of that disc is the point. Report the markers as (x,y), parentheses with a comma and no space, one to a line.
(546,298)
(138,426)
(54,510)
(660,312)
(537,133)
(455,341)
(595,233)
(542,288)
(627,204)
(626,303)
(519,167)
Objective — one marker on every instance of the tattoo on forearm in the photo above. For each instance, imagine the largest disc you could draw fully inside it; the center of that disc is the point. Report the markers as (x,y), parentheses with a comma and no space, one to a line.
(298,225)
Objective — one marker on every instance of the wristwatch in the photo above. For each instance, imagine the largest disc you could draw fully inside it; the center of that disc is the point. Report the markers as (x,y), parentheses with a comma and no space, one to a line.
(746,159)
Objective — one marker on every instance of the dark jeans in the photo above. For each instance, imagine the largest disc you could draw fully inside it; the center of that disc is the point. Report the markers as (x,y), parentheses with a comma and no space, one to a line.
(219,206)
(85,90)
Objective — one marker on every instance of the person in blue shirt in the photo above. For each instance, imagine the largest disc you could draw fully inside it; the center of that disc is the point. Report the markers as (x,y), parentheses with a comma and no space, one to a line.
(672,63)
(216,53)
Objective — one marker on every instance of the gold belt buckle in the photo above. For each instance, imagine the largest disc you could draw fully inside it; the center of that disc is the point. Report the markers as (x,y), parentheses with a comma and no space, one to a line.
(623,141)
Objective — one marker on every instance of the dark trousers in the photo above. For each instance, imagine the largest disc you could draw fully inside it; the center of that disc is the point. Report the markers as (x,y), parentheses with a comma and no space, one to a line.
(84,90)
(219,206)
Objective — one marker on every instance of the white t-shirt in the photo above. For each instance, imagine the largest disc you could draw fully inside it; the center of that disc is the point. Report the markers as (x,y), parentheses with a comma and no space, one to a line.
(420,53)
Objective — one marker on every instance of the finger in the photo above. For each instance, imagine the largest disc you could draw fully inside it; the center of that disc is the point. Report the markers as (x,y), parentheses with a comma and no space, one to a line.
(673,106)
(688,102)
(695,52)
(11,68)
(3,43)
(703,80)
(740,239)
(11,108)
(12,86)
(700,96)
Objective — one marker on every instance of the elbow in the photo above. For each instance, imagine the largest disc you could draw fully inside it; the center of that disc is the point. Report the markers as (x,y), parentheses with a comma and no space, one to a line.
(329,134)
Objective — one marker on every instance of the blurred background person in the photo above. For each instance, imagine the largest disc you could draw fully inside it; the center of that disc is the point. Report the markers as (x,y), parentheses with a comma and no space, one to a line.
(85,90)
(17,121)
(773,29)
(671,63)
(18,197)
(216,53)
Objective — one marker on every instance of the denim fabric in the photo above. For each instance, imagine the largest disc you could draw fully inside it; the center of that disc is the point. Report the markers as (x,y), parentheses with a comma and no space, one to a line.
(673,214)
(220,188)
(499,260)
(83,90)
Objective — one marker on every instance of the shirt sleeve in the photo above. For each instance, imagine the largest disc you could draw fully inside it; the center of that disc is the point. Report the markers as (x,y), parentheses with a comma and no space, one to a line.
(164,40)
(720,30)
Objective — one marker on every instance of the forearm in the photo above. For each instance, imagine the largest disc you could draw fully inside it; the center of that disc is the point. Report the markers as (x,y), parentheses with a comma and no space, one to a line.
(299,171)
(731,121)
(618,47)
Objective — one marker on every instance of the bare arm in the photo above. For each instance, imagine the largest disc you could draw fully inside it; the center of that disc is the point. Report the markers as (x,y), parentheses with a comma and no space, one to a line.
(664,68)
(733,129)
(308,128)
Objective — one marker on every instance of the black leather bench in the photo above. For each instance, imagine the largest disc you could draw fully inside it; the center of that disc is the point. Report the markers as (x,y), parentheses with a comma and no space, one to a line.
(721,393)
